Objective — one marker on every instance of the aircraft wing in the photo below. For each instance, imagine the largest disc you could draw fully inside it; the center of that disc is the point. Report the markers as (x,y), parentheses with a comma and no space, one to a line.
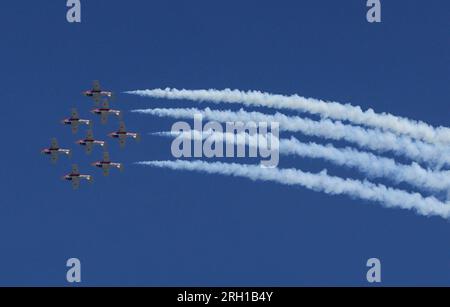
(105,170)
(54,144)
(88,148)
(74,125)
(96,86)
(54,156)
(104,117)
(75,183)
(106,156)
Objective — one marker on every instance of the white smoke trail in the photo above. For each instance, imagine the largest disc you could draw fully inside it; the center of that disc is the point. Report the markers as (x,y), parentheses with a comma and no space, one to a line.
(415,129)
(435,155)
(320,182)
(371,165)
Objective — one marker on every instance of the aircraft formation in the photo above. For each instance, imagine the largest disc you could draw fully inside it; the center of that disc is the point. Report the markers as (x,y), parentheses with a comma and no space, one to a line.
(102,97)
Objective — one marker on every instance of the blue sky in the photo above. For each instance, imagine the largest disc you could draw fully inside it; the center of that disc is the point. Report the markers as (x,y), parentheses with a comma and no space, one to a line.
(159,227)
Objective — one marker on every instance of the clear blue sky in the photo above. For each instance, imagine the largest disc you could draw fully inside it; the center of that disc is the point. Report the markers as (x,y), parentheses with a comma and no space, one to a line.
(159,227)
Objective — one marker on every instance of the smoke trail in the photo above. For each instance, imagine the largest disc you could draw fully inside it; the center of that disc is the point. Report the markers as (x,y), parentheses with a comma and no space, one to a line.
(436,155)
(320,182)
(371,165)
(334,110)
